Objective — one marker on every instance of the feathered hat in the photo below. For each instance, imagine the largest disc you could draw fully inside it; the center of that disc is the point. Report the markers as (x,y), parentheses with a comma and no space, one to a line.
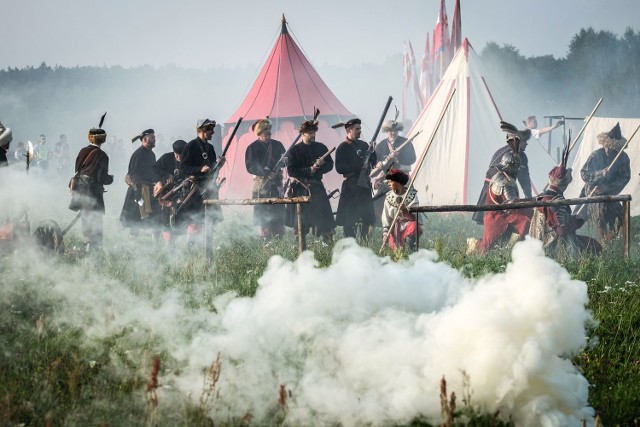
(347,124)
(142,135)
(310,125)
(393,125)
(98,135)
(561,176)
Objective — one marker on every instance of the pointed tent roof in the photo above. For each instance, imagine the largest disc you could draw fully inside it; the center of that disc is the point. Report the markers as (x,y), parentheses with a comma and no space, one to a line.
(455,164)
(287,89)
(288,86)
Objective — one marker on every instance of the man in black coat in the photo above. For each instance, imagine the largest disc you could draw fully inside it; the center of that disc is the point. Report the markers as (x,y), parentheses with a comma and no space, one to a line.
(169,175)
(261,158)
(356,205)
(92,172)
(198,161)
(140,208)
(305,171)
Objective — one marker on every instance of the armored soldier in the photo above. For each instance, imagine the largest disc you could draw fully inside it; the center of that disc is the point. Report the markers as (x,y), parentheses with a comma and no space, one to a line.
(261,158)
(503,189)
(523,173)
(306,168)
(554,225)
(356,205)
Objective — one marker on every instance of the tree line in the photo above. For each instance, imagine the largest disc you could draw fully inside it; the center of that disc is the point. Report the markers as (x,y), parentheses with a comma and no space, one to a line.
(46,99)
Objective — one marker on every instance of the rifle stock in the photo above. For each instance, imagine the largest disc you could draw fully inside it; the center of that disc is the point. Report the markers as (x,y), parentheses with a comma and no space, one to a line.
(363,179)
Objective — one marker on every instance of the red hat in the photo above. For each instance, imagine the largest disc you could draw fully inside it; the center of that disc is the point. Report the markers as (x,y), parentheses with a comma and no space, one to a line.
(398,176)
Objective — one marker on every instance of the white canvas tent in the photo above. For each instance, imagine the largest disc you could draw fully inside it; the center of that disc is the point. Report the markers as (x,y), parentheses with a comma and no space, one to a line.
(455,164)
(589,143)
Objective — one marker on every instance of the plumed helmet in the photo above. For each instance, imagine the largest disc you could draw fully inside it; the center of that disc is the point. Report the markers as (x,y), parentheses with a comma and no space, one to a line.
(510,163)
(560,176)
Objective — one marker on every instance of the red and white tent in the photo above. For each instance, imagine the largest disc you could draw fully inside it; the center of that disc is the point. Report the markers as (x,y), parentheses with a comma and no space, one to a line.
(455,163)
(287,90)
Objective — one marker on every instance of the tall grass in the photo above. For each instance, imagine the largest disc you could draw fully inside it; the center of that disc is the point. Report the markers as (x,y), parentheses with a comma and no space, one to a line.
(54,373)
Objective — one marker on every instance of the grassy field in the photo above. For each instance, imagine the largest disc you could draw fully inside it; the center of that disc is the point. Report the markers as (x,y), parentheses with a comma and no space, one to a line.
(55,372)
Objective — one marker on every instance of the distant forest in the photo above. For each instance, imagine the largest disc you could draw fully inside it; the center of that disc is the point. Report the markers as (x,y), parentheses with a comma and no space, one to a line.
(54,100)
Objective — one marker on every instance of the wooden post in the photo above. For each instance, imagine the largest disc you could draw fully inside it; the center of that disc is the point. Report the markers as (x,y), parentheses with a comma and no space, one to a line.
(204,234)
(626,207)
(302,240)
(417,216)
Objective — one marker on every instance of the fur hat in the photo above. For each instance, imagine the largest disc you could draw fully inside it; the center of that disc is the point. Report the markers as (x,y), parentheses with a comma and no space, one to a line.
(396,175)
(98,135)
(205,123)
(391,125)
(260,126)
(178,146)
(308,126)
(613,138)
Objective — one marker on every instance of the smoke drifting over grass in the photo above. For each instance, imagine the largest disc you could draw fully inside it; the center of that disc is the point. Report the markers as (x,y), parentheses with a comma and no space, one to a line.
(364,341)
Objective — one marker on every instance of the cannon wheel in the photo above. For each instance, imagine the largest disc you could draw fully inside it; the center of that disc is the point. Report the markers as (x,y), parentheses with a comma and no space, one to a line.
(49,236)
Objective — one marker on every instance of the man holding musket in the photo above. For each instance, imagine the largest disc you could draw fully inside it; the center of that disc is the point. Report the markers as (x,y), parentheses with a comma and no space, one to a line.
(198,161)
(305,167)
(356,205)
(602,176)
(169,176)
(261,158)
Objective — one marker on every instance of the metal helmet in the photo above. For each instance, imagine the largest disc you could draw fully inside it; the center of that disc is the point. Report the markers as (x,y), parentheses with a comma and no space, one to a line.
(510,163)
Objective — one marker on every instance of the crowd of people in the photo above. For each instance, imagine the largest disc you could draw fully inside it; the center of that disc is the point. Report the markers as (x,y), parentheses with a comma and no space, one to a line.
(165,195)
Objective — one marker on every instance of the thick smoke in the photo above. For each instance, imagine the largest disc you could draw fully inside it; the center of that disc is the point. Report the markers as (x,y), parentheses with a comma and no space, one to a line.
(364,341)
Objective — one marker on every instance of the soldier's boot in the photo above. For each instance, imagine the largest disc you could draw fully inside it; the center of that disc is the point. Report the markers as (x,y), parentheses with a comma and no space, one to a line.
(513,239)
(412,243)
(472,246)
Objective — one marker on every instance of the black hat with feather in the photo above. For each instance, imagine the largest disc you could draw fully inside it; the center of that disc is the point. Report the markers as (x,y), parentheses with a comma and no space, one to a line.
(98,135)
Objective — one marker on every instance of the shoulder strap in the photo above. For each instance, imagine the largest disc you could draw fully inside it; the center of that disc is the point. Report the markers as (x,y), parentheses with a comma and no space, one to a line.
(86,159)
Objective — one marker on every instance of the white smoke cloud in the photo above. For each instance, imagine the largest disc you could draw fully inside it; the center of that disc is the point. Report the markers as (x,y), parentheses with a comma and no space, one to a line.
(364,341)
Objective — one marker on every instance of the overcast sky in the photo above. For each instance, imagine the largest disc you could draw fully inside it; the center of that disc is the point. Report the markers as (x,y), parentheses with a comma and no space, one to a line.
(211,33)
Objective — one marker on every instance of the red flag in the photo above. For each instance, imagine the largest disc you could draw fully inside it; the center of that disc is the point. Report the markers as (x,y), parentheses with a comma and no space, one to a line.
(441,41)
(416,85)
(456,29)
(425,73)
